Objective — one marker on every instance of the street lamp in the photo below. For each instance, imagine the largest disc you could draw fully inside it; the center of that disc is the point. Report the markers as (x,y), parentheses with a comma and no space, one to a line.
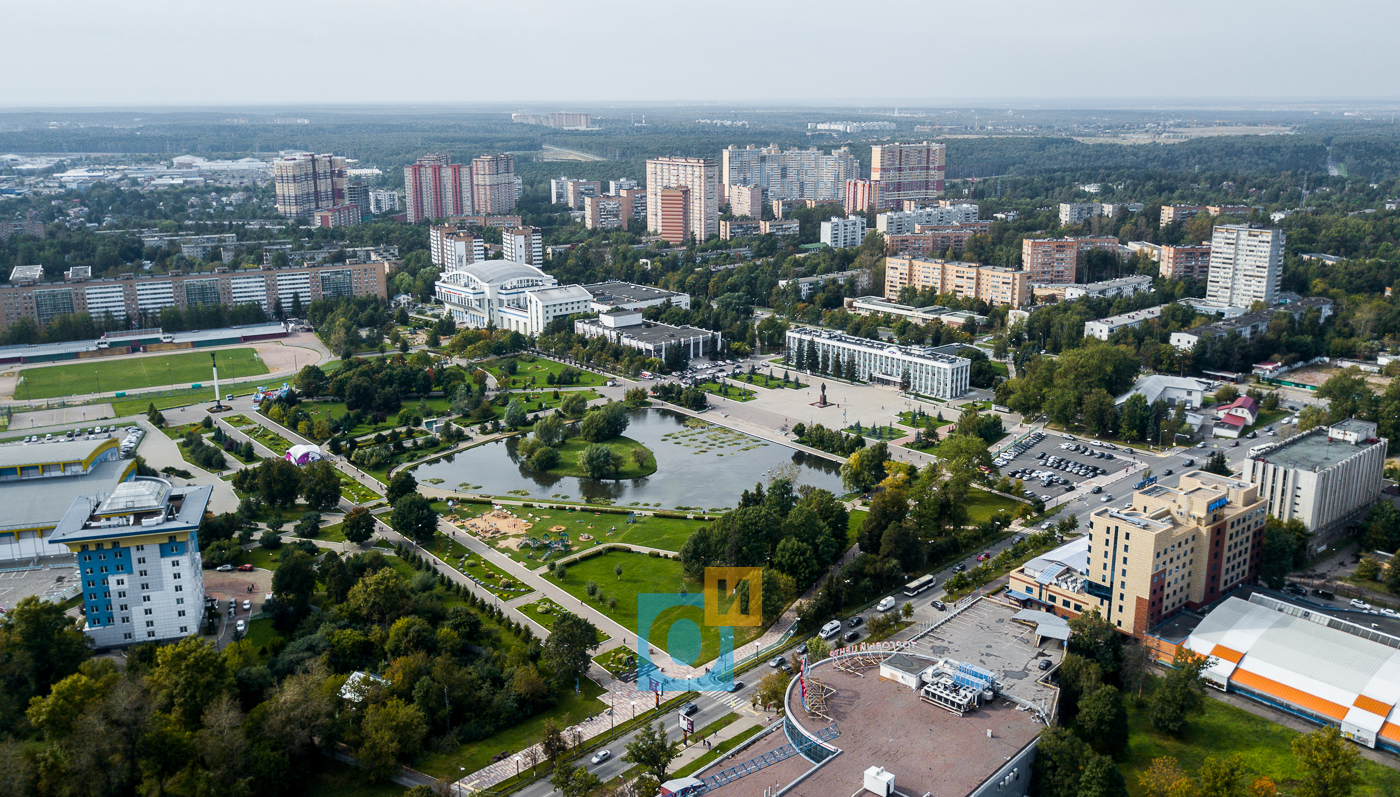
(634,709)
(517,766)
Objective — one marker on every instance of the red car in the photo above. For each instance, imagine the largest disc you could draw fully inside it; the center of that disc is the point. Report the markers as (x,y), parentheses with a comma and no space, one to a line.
(981,558)
(245,568)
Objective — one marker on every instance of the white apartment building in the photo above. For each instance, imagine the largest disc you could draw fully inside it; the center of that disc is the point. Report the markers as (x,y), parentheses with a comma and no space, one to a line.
(1246,265)
(806,285)
(523,245)
(1104,328)
(931,371)
(690,190)
(907,222)
(1072,213)
(847,233)
(619,185)
(1327,477)
(790,174)
(1123,286)
(451,247)
(383,202)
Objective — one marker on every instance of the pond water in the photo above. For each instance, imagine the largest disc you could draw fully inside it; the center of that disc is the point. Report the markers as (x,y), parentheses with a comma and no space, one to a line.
(698,465)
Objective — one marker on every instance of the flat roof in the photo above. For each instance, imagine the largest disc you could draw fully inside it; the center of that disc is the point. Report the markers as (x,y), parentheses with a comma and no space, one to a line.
(192,502)
(1312,450)
(16,455)
(984,634)
(42,503)
(653,331)
(617,292)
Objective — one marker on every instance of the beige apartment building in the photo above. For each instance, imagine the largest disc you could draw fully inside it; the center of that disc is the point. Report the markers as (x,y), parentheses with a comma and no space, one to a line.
(1195,542)
(1174,213)
(991,284)
(493,184)
(1184,262)
(683,198)
(912,172)
(1056,260)
(306,182)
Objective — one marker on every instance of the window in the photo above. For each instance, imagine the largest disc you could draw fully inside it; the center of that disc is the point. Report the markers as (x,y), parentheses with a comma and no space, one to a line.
(150,635)
(184,629)
(121,594)
(148,612)
(176,575)
(126,635)
(145,598)
(179,601)
(142,573)
(150,623)
(174,562)
(140,560)
(179,588)
(180,613)
(123,607)
(126,619)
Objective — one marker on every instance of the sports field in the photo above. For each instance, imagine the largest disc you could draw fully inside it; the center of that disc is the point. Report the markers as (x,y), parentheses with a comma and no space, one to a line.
(130,373)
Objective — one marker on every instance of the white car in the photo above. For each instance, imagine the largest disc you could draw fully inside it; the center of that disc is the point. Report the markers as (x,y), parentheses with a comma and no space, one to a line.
(241,627)
(1360,604)
(885,604)
(247,606)
(601,756)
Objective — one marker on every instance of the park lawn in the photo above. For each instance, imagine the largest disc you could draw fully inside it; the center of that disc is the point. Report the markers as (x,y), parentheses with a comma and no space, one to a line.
(735,392)
(763,380)
(332,410)
(853,524)
(545,619)
(178,432)
(572,448)
(648,531)
(261,633)
(1226,730)
(1267,418)
(915,421)
(488,576)
(982,505)
(355,492)
(537,400)
(268,438)
(539,368)
(647,574)
(130,373)
(569,711)
(614,660)
(717,751)
(264,558)
(885,433)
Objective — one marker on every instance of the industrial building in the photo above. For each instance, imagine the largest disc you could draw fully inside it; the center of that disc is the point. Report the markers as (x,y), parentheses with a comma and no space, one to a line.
(1308,663)
(138,557)
(1326,477)
(929,371)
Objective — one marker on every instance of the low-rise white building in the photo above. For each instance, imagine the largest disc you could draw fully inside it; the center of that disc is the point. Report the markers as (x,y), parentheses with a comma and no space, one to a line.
(806,285)
(928,370)
(847,233)
(1104,328)
(1123,286)
(1326,477)
(628,328)
(1171,389)
(1249,324)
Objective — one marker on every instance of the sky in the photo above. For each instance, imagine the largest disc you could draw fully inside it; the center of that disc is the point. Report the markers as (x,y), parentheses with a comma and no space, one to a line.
(529,52)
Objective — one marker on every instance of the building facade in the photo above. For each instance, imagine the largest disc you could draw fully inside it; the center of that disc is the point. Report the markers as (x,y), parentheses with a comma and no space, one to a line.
(790,174)
(907,172)
(494,185)
(847,233)
(806,285)
(607,212)
(907,222)
(745,201)
(452,247)
(479,294)
(1123,286)
(991,284)
(137,299)
(683,198)
(1056,260)
(861,195)
(1073,213)
(926,370)
(436,188)
(1246,265)
(138,558)
(339,216)
(1184,262)
(39,482)
(628,328)
(567,191)
(1175,213)
(523,245)
(1104,328)
(1194,544)
(383,202)
(1326,477)
(306,182)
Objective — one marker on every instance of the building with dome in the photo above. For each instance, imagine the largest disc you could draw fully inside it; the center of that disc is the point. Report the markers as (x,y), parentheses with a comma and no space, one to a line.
(492,293)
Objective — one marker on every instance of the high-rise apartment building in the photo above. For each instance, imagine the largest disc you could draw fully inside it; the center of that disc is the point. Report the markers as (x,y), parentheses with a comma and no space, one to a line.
(839,233)
(1175,213)
(620,184)
(383,202)
(1072,213)
(523,245)
(357,193)
(1055,261)
(306,182)
(908,172)
(566,191)
(1184,262)
(452,247)
(790,174)
(1246,266)
(436,189)
(991,284)
(861,195)
(745,201)
(607,212)
(683,198)
(494,187)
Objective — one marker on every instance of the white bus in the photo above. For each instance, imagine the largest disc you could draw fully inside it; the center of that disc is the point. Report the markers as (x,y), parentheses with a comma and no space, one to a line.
(919,585)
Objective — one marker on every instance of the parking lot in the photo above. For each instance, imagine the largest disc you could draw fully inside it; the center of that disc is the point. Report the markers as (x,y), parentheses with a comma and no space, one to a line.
(1084,465)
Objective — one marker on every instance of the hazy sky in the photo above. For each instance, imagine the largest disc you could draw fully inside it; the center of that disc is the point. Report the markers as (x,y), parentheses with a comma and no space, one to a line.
(528,52)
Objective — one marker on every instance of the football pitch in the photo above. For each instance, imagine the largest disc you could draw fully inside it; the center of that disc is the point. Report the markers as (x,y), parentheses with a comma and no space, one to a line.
(130,373)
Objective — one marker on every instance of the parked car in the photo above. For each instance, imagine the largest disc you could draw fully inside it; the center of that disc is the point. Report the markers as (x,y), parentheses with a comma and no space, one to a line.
(1360,604)
(241,627)
(246,568)
(247,606)
(736,686)
(601,756)
(939,605)
(224,568)
(850,637)
(855,622)
(1044,665)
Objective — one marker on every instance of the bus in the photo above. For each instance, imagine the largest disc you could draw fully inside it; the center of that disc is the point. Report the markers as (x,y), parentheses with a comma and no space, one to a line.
(919,585)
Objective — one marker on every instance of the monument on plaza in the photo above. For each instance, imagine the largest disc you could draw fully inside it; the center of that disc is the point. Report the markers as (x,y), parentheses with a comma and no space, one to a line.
(822,402)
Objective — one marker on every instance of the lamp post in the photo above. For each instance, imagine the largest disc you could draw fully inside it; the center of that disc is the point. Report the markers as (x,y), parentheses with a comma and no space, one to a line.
(517,766)
(634,709)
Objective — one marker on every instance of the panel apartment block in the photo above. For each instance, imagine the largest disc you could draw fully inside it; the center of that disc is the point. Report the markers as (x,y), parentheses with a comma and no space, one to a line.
(991,284)
(1246,265)
(907,172)
(305,182)
(683,198)
(493,184)
(1184,262)
(790,174)
(436,188)
(1056,260)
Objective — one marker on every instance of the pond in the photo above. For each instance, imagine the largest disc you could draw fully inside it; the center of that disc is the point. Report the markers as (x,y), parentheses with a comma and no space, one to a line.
(698,465)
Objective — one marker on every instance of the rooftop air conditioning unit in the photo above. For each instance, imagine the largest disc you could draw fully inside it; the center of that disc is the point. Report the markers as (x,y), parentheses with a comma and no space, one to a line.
(879,781)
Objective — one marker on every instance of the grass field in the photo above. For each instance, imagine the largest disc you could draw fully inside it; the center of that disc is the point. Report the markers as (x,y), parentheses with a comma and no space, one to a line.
(545,611)
(763,380)
(648,574)
(982,505)
(267,437)
(729,390)
(354,491)
(916,421)
(333,410)
(666,533)
(1225,730)
(622,446)
(569,711)
(131,373)
(885,433)
(718,750)
(538,368)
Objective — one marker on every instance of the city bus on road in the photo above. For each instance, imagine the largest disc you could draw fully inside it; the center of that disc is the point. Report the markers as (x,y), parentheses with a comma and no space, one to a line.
(919,585)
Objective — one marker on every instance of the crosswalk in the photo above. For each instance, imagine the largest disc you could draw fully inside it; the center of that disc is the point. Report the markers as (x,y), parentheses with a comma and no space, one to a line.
(729,699)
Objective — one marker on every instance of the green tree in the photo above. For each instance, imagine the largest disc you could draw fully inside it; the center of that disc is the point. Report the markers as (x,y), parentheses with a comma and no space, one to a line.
(573,404)
(294,580)
(358,525)
(378,598)
(817,649)
(651,750)
(549,430)
(1065,766)
(1349,396)
(1328,762)
(1217,463)
(1222,777)
(56,713)
(188,676)
(794,558)
(571,641)
(391,732)
(574,781)
(515,414)
(1103,721)
(414,518)
(1099,412)
(309,525)
(40,645)
(1180,695)
(278,482)
(599,461)
(311,382)
(320,485)
(400,484)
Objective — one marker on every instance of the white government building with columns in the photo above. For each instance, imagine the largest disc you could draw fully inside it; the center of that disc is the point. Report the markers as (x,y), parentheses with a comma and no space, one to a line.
(933,370)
